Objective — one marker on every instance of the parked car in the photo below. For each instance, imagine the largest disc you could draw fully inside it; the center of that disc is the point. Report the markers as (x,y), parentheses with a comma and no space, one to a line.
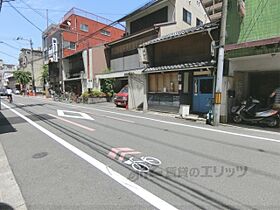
(3,91)
(121,98)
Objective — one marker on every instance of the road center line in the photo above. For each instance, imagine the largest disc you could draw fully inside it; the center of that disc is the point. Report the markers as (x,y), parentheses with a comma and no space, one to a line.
(73,123)
(141,192)
(119,119)
(184,125)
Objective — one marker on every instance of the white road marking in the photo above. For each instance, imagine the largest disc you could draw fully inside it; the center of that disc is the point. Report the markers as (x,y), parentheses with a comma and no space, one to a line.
(80,115)
(184,125)
(119,119)
(141,192)
(21,104)
(73,123)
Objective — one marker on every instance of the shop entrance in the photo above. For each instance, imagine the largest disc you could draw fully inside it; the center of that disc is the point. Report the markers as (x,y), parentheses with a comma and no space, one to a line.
(202,94)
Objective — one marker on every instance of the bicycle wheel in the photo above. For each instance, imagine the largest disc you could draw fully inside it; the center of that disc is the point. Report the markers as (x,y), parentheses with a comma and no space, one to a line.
(152,161)
(140,167)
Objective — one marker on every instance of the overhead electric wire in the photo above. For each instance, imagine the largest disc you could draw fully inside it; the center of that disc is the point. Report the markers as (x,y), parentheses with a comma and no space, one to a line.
(64,11)
(249,28)
(11,46)
(25,17)
(8,55)
(36,11)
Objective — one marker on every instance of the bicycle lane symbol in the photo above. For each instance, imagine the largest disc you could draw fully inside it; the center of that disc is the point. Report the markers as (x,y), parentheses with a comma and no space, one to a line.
(141,165)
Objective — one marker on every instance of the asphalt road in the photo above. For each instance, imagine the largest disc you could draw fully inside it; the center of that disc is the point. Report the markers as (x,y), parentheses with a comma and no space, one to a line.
(60,156)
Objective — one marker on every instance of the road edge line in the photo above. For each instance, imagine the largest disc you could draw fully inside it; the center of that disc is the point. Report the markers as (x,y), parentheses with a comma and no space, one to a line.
(136,189)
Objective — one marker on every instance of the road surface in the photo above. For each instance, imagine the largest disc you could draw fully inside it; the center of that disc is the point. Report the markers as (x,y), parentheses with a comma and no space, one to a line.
(74,156)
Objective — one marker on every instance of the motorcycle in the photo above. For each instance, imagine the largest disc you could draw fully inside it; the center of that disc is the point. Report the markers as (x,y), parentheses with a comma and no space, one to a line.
(249,112)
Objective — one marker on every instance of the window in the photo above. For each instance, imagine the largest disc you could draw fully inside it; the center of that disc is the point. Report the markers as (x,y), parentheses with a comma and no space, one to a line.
(70,45)
(84,27)
(187,16)
(105,32)
(198,22)
(164,82)
(160,16)
(206,86)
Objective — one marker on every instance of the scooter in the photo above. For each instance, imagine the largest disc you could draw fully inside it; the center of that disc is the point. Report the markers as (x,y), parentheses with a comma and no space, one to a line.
(248,112)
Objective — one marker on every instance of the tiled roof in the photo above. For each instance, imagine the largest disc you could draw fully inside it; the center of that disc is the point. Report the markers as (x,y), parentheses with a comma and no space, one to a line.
(182,33)
(185,66)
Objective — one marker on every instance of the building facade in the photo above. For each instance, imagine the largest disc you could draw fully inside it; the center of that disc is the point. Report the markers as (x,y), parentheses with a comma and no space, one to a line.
(181,69)
(25,59)
(6,74)
(153,20)
(252,50)
(69,48)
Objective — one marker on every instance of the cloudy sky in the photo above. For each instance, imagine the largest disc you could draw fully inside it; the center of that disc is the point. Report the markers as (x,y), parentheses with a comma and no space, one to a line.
(13,25)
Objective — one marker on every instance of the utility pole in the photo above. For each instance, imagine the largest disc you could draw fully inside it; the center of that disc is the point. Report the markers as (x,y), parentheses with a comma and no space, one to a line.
(32,67)
(47,15)
(219,77)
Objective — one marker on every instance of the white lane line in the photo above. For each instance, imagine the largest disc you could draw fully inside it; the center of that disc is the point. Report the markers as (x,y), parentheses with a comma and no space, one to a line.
(119,119)
(73,123)
(184,125)
(141,192)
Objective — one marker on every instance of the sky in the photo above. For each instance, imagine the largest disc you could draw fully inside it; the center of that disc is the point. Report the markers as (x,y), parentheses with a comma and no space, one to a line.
(13,25)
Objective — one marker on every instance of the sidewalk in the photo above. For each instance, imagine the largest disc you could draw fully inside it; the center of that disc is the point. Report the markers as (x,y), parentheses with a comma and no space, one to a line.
(10,195)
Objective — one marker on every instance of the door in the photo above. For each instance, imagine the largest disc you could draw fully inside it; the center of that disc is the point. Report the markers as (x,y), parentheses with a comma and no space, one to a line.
(202,94)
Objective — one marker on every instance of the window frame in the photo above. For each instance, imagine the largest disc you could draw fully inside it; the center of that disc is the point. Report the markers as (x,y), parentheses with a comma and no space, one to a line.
(84,27)
(105,32)
(199,21)
(187,16)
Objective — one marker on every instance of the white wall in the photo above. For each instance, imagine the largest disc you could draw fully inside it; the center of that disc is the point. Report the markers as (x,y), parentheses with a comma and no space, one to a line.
(193,6)
(136,90)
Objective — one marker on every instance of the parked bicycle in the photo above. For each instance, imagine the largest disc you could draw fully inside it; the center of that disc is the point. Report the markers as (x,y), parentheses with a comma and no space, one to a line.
(144,164)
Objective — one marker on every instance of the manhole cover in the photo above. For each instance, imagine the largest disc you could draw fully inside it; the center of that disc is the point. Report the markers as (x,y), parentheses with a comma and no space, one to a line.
(40,155)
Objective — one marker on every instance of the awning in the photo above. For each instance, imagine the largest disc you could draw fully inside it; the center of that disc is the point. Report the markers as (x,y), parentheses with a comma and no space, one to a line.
(72,79)
(181,67)
(119,74)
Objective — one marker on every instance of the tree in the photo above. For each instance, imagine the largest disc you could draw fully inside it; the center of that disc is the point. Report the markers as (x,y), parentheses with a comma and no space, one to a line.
(107,85)
(23,77)
(45,75)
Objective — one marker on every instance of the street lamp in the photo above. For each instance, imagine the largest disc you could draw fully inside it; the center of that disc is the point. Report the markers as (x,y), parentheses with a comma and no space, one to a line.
(32,65)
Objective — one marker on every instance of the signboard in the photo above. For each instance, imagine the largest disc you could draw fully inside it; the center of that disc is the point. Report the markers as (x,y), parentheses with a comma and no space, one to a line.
(143,56)
(89,83)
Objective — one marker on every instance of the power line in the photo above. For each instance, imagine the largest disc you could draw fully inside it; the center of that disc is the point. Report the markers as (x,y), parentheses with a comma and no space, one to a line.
(8,55)
(2,1)
(25,17)
(64,11)
(11,46)
(36,11)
